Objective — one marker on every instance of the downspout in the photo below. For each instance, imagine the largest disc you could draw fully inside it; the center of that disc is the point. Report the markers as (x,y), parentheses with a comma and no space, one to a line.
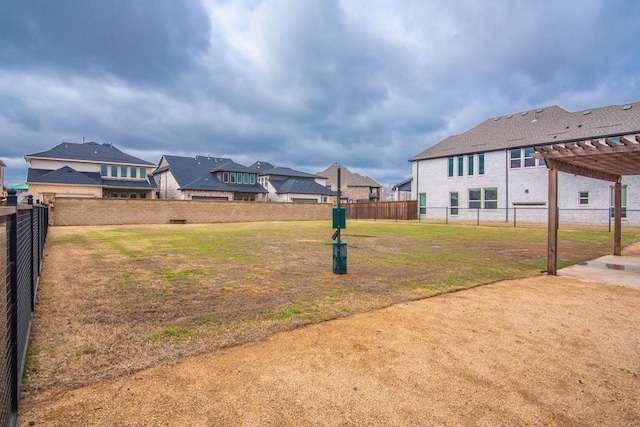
(417,189)
(506,178)
(417,179)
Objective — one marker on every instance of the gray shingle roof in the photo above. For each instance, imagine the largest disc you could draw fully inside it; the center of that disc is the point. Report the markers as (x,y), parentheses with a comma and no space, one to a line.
(123,183)
(196,173)
(301,186)
(543,126)
(261,166)
(403,186)
(69,176)
(91,152)
(266,168)
(347,178)
(64,175)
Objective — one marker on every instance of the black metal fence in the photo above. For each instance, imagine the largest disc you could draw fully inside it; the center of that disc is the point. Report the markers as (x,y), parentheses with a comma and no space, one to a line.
(528,215)
(23,232)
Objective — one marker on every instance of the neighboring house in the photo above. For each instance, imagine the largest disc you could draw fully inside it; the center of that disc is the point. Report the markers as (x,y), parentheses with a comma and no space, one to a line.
(353,187)
(88,170)
(288,185)
(4,189)
(491,170)
(206,178)
(20,188)
(402,191)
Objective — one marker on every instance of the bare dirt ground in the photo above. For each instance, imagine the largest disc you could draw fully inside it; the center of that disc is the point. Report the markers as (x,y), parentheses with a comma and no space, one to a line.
(540,351)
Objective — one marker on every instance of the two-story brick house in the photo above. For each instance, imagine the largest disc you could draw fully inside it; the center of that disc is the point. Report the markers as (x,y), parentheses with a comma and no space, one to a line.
(353,186)
(289,185)
(206,178)
(88,170)
(491,171)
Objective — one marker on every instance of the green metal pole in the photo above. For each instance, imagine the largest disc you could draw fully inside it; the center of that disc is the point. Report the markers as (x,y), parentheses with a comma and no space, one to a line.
(339,215)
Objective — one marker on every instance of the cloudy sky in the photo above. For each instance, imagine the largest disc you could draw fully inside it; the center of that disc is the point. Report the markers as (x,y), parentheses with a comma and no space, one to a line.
(297,83)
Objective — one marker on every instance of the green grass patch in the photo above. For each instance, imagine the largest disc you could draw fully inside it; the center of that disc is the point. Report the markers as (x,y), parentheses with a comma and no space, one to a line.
(181,290)
(184,274)
(174,333)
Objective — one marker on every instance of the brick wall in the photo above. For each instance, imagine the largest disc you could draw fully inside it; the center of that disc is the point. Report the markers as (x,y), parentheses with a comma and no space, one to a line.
(79,211)
(357,193)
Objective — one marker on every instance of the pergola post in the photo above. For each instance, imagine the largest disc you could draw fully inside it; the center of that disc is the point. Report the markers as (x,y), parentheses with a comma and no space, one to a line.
(617,218)
(552,234)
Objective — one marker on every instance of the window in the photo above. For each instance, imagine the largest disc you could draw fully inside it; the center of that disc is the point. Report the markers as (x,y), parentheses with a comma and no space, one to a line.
(103,170)
(114,171)
(470,160)
(460,166)
(246,178)
(143,195)
(450,161)
(491,198)
(583,198)
(529,160)
(133,195)
(123,195)
(422,205)
(475,201)
(225,176)
(516,158)
(623,204)
(123,171)
(143,172)
(252,179)
(114,195)
(232,177)
(134,172)
(453,203)
(480,164)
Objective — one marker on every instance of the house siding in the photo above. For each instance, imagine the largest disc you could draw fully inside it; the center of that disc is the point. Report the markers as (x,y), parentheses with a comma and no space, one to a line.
(168,187)
(53,164)
(44,192)
(517,187)
(355,194)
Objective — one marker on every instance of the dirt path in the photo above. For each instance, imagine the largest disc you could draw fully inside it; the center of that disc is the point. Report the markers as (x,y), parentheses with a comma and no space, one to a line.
(542,351)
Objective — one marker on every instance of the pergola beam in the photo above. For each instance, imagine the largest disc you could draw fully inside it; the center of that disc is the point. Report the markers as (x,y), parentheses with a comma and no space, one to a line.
(605,159)
(582,170)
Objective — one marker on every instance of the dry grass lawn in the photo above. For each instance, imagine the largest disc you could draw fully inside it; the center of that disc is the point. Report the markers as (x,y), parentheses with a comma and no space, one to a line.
(116,300)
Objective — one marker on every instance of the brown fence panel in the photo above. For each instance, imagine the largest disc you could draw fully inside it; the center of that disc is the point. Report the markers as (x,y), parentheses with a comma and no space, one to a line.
(403,210)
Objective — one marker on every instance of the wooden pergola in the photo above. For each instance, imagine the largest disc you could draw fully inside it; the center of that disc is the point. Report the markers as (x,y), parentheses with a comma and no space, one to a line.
(607,159)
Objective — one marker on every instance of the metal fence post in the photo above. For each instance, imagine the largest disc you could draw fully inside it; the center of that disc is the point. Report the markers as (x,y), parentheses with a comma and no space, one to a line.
(13,309)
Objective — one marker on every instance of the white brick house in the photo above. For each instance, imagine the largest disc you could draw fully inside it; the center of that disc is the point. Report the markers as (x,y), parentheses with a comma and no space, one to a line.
(490,172)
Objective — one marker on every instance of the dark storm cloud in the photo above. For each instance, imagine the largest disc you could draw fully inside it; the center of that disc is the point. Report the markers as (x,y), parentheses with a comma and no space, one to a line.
(142,41)
(300,83)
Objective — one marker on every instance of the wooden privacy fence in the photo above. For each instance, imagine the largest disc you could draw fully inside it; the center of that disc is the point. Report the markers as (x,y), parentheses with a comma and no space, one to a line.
(403,210)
